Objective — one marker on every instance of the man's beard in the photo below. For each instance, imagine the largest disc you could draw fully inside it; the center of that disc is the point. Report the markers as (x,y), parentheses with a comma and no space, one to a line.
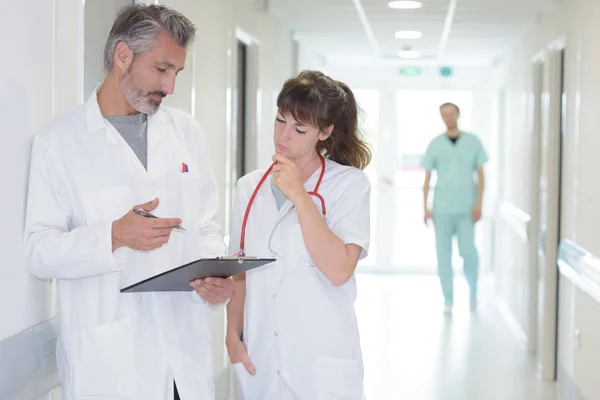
(137,98)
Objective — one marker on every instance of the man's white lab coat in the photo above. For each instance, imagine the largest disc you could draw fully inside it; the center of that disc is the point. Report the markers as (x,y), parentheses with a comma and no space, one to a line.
(83,177)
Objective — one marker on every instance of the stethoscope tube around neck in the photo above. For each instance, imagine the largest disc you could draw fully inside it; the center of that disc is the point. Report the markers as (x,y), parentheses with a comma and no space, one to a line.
(314,192)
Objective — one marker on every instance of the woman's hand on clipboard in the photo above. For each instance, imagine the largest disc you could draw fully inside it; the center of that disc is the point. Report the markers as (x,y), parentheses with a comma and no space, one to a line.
(214,290)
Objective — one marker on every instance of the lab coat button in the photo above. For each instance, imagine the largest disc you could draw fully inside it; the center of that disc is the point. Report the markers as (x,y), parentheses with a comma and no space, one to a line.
(276,334)
(275,295)
(278,372)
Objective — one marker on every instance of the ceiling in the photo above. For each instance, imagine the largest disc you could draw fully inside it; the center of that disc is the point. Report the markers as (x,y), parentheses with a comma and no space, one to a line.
(477,31)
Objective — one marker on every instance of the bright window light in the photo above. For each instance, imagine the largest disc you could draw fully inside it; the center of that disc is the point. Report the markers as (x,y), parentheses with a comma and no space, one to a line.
(408,35)
(405,5)
(409,54)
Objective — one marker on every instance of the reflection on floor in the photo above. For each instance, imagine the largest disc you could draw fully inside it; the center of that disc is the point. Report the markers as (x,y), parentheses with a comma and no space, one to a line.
(413,352)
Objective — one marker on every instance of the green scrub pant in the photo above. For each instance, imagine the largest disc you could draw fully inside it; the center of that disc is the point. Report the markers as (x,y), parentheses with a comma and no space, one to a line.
(447,226)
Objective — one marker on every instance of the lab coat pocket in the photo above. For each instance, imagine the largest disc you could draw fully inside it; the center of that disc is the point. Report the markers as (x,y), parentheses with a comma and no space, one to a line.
(189,178)
(241,377)
(103,361)
(190,196)
(338,379)
(190,183)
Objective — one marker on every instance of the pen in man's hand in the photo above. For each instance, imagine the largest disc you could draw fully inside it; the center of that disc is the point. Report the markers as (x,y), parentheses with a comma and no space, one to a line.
(146,214)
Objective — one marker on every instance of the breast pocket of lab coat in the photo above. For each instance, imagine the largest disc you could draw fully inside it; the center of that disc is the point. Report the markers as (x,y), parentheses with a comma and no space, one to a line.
(185,202)
(103,361)
(193,205)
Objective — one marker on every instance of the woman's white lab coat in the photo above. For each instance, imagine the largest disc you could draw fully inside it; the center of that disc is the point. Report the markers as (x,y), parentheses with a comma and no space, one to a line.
(300,330)
(83,177)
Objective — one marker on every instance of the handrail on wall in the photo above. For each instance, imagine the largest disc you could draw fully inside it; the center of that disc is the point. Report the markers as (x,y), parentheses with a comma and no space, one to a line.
(580,266)
(516,218)
(28,362)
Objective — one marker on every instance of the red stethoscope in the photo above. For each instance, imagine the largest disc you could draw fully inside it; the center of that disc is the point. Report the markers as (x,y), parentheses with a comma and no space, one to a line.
(315,193)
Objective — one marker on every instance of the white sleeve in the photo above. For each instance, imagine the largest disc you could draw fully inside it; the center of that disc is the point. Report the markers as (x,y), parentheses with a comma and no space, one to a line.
(211,234)
(52,249)
(349,218)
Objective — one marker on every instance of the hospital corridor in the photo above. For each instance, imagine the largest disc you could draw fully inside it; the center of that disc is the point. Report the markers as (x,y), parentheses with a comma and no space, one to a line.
(299,200)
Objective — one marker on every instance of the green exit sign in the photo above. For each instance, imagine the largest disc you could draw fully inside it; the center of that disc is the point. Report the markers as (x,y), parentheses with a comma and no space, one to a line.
(410,71)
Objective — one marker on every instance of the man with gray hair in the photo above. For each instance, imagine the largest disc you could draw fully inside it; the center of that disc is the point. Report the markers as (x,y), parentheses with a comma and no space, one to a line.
(93,166)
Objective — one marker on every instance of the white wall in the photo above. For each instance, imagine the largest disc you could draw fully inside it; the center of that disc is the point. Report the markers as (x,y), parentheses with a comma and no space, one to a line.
(31,90)
(513,75)
(308,59)
(99,16)
(42,77)
(575,22)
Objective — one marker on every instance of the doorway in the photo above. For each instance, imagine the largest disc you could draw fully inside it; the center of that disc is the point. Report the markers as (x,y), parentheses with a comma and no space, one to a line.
(240,142)
(553,111)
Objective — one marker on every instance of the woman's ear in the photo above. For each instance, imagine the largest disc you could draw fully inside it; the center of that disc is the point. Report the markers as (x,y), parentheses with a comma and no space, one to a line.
(324,134)
(123,57)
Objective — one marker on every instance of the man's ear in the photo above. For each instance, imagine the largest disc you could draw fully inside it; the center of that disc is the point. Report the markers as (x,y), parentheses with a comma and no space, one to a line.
(324,134)
(123,57)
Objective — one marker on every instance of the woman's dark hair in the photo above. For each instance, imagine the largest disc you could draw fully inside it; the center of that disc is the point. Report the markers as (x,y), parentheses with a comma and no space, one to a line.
(314,98)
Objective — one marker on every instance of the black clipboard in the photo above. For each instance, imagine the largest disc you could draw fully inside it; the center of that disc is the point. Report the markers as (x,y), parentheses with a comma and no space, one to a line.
(178,279)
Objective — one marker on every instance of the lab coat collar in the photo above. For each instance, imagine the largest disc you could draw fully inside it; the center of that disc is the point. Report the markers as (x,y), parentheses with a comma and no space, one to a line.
(97,123)
(95,120)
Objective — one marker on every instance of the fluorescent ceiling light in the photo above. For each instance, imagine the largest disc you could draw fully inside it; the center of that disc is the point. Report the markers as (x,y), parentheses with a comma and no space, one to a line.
(408,35)
(409,54)
(405,5)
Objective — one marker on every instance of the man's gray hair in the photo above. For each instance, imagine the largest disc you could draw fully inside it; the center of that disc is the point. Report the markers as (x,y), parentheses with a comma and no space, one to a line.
(138,25)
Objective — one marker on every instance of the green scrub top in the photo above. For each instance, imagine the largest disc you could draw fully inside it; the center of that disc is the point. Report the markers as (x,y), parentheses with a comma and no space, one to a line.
(455,164)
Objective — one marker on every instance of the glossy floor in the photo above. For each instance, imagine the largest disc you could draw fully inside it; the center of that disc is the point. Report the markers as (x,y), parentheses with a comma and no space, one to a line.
(413,352)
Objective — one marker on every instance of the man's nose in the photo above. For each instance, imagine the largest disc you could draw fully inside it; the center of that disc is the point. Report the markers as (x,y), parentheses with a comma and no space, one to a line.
(168,85)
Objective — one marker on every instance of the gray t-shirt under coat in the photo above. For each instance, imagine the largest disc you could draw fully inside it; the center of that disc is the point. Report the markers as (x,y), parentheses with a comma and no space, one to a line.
(134,129)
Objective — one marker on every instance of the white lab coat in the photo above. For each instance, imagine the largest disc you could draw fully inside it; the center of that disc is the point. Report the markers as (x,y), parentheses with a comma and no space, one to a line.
(300,330)
(83,177)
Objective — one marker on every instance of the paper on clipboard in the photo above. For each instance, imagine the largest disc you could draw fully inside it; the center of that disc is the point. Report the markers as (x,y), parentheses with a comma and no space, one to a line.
(178,279)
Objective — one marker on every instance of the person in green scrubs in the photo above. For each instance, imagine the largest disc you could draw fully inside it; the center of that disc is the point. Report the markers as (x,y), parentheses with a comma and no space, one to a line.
(457,157)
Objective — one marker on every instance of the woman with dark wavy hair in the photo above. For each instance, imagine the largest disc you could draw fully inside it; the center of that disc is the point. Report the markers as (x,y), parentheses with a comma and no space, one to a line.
(292,331)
